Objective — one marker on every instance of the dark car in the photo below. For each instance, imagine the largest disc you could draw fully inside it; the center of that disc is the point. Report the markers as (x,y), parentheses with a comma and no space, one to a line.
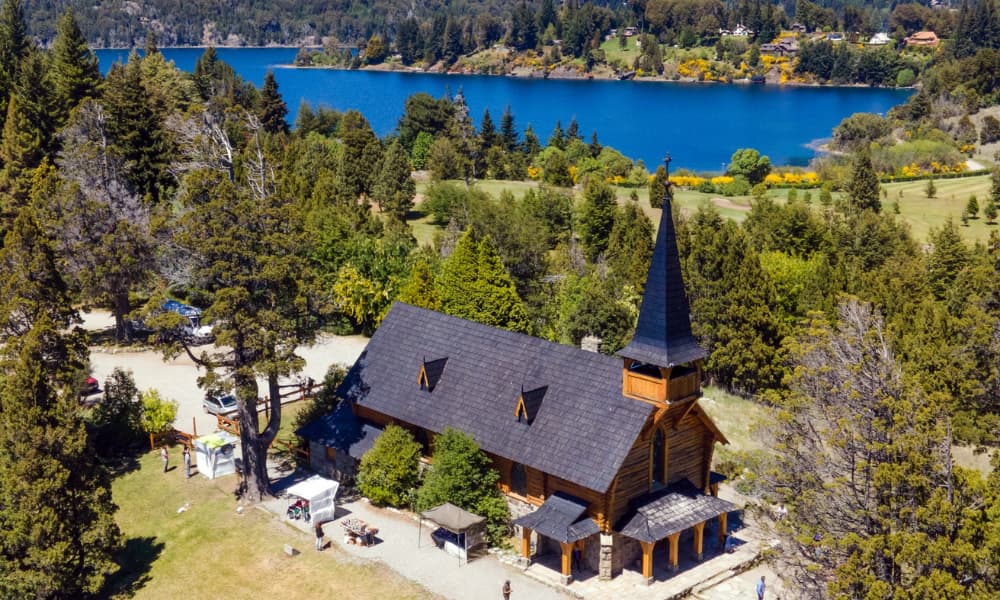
(222,405)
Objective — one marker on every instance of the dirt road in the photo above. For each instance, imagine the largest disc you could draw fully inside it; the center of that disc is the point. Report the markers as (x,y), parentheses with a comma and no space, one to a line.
(177,379)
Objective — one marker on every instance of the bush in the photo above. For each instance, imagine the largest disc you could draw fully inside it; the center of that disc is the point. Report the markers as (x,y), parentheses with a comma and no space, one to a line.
(905,78)
(739,186)
(390,470)
(158,413)
(462,474)
(991,130)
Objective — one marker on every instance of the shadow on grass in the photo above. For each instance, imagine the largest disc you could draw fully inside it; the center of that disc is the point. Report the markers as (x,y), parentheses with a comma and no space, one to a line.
(134,563)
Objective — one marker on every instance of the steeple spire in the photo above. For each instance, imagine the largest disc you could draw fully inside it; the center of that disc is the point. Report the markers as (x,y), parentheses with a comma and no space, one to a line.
(663,334)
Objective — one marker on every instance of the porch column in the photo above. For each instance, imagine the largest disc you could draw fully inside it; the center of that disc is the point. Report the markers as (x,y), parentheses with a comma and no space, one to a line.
(722,527)
(673,539)
(714,489)
(699,537)
(647,561)
(567,562)
(526,543)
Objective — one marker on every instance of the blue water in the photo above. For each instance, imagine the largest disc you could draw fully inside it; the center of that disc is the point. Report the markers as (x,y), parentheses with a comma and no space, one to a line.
(700,125)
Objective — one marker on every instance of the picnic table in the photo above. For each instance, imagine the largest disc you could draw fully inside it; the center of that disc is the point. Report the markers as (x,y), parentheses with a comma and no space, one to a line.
(358,531)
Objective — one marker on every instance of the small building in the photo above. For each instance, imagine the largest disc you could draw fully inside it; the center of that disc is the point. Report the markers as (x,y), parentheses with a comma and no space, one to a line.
(609,456)
(879,39)
(835,37)
(923,38)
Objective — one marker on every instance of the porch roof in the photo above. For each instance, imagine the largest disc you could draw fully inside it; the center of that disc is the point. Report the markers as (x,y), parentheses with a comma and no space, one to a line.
(561,517)
(671,510)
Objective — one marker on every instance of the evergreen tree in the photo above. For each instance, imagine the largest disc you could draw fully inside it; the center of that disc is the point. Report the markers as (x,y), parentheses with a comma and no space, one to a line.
(75,74)
(421,289)
(990,212)
(36,99)
(630,246)
(136,131)
(557,139)
(475,285)
(883,511)
(597,217)
(508,133)
(394,189)
(487,131)
(390,471)
(947,258)
(595,146)
(408,42)
(863,186)
(972,207)
(658,187)
(271,109)
(14,45)
(249,250)
(361,154)
(463,475)
(21,152)
(930,190)
(531,146)
(57,530)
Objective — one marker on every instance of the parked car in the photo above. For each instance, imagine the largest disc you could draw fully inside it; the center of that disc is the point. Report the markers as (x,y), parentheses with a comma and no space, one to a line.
(89,387)
(221,405)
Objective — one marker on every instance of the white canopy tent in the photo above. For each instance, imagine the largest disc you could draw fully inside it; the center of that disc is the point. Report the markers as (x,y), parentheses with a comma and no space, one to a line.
(321,493)
(215,454)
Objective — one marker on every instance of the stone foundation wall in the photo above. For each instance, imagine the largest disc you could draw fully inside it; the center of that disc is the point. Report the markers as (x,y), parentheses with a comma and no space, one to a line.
(519,508)
(343,468)
(615,553)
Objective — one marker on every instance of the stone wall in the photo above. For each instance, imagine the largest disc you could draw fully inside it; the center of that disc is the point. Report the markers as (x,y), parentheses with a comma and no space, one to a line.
(342,468)
(616,552)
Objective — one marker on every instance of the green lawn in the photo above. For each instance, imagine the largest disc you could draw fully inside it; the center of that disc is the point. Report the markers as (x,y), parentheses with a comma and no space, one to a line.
(211,551)
(923,213)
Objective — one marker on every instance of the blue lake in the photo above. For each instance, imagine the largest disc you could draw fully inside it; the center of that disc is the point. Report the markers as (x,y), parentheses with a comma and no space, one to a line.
(700,125)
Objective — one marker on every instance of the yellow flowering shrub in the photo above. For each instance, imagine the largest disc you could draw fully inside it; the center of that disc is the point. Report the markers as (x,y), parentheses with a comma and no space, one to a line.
(534,172)
(773,179)
(572,172)
(721,180)
(686,180)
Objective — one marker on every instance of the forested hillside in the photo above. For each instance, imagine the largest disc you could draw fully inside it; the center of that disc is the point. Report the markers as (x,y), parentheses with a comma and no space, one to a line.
(879,352)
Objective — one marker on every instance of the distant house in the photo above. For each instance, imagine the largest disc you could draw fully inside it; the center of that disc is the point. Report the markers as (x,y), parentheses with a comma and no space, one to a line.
(879,39)
(922,38)
(606,455)
(798,28)
(786,46)
(629,31)
(835,37)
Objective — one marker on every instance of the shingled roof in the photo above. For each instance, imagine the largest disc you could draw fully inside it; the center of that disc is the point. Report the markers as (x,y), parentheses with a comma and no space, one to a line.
(581,432)
(660,514)
(663,333)
(562,517)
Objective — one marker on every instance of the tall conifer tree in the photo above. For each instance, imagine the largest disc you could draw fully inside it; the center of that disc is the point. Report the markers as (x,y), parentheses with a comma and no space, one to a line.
(75,74)
(271,108)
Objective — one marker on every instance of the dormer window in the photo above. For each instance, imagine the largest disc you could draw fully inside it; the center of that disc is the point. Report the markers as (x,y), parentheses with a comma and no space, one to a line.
(529,403)
(430,373)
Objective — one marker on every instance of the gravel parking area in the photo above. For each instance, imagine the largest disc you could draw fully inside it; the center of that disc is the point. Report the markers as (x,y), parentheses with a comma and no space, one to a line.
(177,378)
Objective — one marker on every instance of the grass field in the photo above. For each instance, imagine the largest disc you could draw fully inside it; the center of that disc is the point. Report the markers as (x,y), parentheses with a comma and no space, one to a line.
(211,551)
(920,212)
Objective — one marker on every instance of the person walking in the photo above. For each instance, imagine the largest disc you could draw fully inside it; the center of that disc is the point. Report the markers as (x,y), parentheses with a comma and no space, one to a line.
(187,463)
(760,588)
(505,590)
(165,457)
(319,537)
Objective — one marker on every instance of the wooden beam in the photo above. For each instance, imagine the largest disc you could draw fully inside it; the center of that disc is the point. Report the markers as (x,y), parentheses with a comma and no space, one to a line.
(647,561)
(525,542)
(674,539)
(722,527)
(567,560)
(699,537)
(687,410)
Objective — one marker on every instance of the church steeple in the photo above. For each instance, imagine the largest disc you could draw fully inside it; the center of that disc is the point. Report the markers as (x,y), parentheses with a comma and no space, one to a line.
(663,338)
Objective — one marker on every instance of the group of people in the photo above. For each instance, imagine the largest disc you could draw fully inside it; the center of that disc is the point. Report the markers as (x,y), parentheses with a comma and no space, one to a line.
(186,457)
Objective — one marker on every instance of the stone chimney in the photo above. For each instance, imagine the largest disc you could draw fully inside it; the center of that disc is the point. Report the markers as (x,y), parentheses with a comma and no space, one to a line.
(591,343)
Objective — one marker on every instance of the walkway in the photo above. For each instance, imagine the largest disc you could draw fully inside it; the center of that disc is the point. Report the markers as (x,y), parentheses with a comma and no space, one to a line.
(396,546)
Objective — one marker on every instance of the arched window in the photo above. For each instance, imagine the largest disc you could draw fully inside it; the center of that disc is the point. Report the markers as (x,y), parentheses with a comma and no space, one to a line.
(518,480)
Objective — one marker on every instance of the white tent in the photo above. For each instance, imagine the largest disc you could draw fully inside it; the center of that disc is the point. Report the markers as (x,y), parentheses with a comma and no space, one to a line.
(215,454)
(320,492)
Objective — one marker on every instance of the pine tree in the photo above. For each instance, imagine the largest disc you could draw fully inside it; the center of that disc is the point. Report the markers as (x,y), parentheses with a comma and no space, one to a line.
(487,131)
(421,289)
(58,536)
(863,186)
(972,207)
(394,189)
(75,74)
(137,133)
(508,133)
(557,138)
(21,152)
(14,44)
(930,190)
(630,246)
(34,91)
(658,187)
(947,258)
(475,285)
(271,109)
(531,146)
(361,155)
(573,131)
(597,217)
